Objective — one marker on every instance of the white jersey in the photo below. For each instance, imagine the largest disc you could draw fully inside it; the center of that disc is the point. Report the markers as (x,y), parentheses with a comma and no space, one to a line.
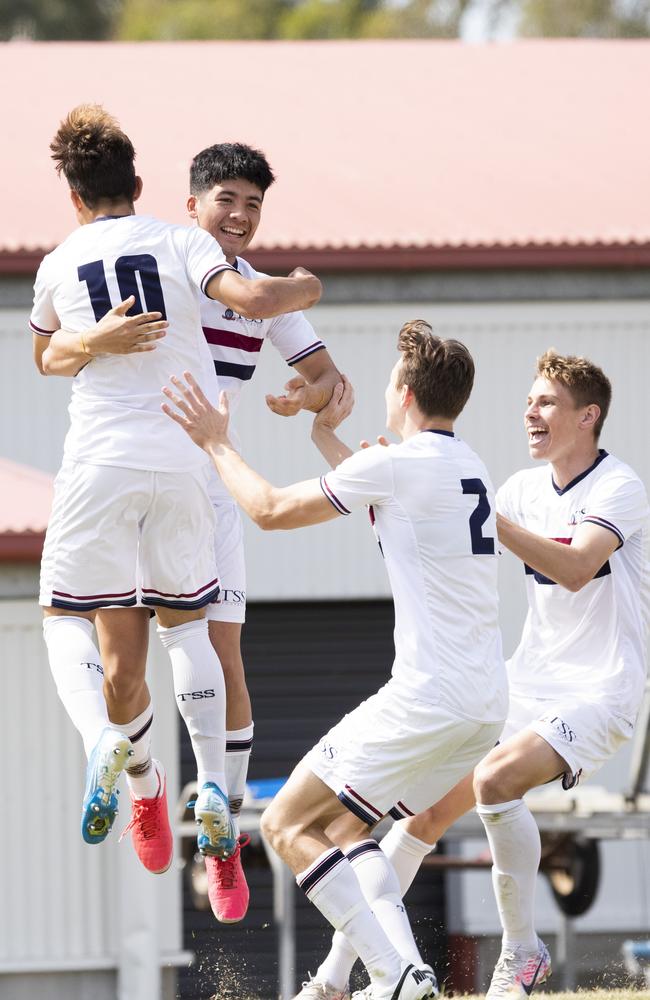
(235,344)
(590,645)
(115,415)
(433,506)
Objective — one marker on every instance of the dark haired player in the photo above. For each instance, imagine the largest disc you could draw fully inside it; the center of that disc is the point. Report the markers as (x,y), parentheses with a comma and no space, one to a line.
(116,545)
(228,182)
(444,705)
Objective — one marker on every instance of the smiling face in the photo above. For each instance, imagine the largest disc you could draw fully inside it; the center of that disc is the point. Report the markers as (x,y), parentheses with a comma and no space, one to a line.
(230,212)
(554,424)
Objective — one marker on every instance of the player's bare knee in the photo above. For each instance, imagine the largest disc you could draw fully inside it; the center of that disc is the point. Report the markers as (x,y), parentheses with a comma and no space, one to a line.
(491,783)
(271,826)
(122,686)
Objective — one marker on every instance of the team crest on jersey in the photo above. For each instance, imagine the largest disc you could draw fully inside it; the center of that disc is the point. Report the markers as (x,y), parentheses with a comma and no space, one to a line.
(577,515)
(235,317)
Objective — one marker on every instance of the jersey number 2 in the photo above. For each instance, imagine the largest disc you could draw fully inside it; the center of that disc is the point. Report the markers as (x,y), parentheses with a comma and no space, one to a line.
(126,271)
(481,545)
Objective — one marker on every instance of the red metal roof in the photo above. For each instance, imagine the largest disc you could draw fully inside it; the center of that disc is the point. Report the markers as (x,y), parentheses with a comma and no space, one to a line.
(438,150)
(25,502)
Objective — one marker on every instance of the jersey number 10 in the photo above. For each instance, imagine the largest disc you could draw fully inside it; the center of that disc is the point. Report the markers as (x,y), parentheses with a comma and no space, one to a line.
(481,545)
(127,271)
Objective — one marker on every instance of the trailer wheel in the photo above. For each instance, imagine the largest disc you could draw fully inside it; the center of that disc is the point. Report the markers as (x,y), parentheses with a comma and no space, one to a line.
(573,870)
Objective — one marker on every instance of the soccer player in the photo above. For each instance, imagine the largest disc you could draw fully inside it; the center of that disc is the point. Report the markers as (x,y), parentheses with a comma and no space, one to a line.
(131,513)
(579,524)
(444,704)
(228,182)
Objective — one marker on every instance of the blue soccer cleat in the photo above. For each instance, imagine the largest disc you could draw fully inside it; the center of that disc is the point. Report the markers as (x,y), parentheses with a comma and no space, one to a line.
(107,761)
(217,836)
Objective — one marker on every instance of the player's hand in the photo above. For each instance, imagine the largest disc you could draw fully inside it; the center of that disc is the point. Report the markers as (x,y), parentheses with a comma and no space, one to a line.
(195,413)
(117,333)
(293,399)
(313,287)
(384,442)
(339,407)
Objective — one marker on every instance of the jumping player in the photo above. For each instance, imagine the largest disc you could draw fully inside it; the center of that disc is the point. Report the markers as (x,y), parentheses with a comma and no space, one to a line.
(580,526)
(228,182)
(128,486)
(444,704)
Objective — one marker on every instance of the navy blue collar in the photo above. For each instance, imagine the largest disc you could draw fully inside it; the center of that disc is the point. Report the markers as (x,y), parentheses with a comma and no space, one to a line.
(109,218)
(432,430)
(569,486)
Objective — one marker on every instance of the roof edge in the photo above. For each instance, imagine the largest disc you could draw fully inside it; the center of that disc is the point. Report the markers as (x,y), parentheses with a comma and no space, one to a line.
(21,546)
(411,258)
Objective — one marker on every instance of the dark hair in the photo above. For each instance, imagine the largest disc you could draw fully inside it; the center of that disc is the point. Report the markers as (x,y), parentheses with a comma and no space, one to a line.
(439,373)
(229,161)
(585,381)
(94,155)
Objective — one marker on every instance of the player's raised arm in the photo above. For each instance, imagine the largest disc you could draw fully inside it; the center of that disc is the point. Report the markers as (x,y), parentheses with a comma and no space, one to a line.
(66,353)
(271,508)
(311,389)
(328,419)
(261,298)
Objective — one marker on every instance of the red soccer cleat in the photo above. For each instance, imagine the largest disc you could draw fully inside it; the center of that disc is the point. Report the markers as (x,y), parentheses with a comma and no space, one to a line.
(227,887)
(150,829)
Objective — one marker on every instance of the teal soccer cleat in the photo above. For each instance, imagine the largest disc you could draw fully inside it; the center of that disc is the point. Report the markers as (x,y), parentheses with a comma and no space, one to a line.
(107,761)
(217,836)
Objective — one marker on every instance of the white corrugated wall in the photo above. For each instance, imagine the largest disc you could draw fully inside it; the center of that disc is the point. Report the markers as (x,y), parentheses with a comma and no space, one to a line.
(336,560)
(67,905)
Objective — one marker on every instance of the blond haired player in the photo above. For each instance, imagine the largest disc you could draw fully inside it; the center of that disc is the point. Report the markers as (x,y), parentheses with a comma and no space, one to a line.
(131,512)
(579,524)
(444,704)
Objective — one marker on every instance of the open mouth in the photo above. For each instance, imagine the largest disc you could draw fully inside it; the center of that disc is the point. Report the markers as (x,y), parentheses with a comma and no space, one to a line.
(232,231)
(536,435)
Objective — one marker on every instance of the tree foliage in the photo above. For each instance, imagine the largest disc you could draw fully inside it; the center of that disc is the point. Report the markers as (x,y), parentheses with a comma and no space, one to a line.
(576,18)
(328,19)
(290,19)
(58,20)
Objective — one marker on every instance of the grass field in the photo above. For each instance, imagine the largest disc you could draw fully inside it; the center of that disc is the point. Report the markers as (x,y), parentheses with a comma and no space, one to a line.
(587,995)
(636,994)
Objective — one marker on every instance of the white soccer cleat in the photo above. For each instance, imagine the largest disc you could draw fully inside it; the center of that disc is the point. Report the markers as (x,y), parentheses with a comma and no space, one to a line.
(315,989)
(413,984)
(519,972)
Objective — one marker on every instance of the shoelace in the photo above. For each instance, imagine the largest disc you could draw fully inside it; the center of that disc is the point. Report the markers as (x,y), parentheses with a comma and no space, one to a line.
(146,815)
(504,970)
(228,869)
(317,989)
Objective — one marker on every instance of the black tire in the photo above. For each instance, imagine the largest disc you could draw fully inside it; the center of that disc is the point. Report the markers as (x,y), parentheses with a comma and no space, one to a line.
(575,878)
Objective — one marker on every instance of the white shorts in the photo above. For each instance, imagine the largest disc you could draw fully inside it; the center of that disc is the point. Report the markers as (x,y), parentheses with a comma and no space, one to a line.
(124,537)
(230,606)
(394,754)
(584,734)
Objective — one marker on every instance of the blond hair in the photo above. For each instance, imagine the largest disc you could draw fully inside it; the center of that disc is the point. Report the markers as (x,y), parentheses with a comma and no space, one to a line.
(586,382)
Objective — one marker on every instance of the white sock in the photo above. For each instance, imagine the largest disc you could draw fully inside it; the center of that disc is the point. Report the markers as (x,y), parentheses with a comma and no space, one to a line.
(77,671)
(332,886)
(239,745)
(200,695)
(380,887)
(516,850)
(141,775)
(405,852)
